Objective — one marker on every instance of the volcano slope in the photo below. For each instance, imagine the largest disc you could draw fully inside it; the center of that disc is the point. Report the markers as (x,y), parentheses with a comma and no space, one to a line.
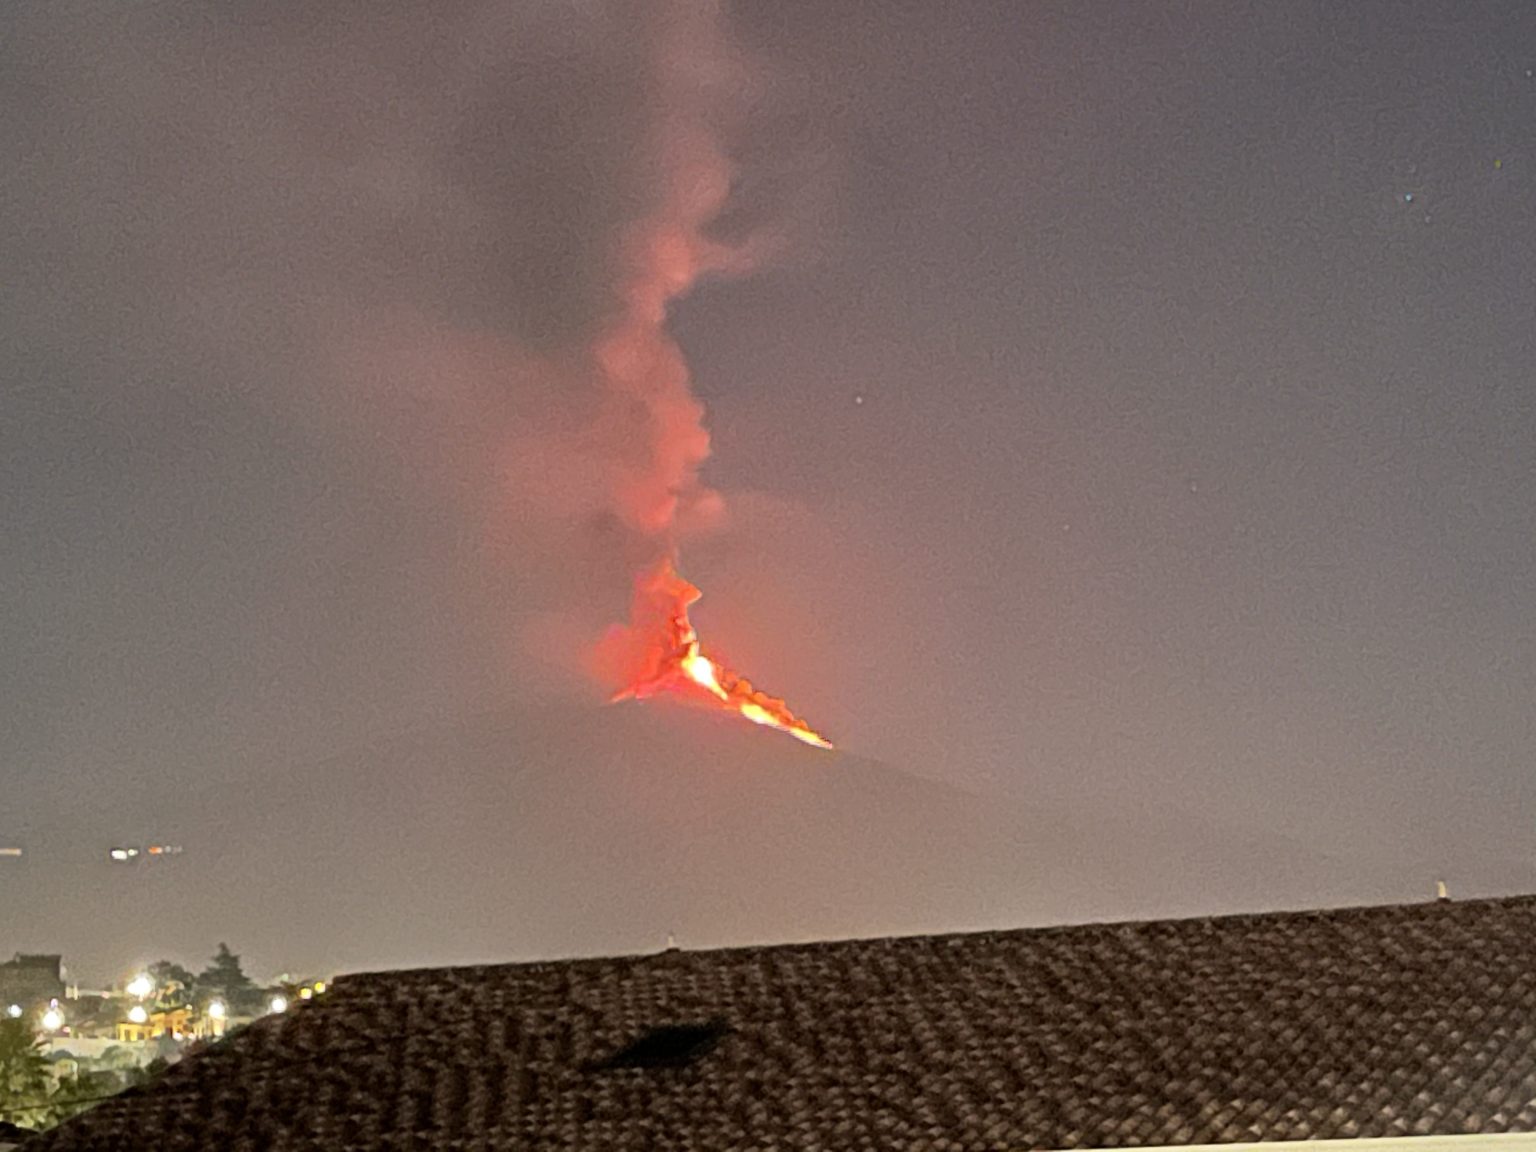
(591,830)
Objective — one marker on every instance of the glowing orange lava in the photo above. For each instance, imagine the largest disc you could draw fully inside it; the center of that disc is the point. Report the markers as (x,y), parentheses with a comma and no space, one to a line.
(658,651)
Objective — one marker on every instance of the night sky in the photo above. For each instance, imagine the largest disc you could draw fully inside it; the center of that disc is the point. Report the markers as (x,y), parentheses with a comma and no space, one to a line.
(1123,421)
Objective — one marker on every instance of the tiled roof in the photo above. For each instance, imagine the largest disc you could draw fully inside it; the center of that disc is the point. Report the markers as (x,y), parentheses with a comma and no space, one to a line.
(1366,1022)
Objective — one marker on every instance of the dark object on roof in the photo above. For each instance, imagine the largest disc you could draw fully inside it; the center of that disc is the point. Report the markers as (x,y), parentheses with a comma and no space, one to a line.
(1367,1022)
(670,1046)
(12,1135)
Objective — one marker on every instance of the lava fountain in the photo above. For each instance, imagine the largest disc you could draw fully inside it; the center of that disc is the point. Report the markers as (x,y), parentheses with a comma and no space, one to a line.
(658,652)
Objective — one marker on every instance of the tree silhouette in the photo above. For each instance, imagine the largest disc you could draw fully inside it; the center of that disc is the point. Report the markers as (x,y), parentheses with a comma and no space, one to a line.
(173,983)
(224,978)
(24,1078)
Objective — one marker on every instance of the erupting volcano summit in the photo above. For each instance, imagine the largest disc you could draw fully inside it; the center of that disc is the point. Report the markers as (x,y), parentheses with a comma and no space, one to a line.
(658,652)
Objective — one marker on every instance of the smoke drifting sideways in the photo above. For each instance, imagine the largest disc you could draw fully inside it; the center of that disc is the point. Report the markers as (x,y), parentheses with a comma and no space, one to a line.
(373,288)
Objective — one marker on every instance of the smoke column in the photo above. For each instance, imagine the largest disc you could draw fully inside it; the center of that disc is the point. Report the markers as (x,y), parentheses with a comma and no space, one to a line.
(641,369)
(373,311)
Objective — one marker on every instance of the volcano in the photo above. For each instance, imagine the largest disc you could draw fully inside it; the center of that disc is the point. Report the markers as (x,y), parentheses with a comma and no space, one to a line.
(586,830)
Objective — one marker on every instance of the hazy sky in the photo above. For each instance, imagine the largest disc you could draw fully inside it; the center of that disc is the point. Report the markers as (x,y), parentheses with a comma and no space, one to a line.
(1125,411)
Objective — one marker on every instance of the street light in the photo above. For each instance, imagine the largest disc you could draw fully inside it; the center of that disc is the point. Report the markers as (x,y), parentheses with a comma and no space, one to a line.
(216,1010)
(279,1004)
(53,1020)
(137,1015)
(14,1011)
(140,986)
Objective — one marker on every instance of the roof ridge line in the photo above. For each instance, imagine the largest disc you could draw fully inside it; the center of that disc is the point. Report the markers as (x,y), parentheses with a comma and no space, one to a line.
(1224,918)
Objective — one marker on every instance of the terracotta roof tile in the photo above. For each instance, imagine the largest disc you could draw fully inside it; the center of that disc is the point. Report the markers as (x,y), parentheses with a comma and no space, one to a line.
(1365,1022)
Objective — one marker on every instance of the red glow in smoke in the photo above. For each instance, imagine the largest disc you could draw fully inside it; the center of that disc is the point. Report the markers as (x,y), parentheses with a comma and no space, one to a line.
(658,652)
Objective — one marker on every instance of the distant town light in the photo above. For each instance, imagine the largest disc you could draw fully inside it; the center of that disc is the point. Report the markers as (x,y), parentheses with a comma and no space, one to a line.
(137,1014)
(306,992)
(319,987)
(53,1020)
(141,986)
(279,1004)
(216,1010)
(119,853)
(14,1011)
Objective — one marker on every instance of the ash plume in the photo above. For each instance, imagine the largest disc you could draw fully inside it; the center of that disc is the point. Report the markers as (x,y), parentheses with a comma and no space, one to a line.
(397,281)
(661,257)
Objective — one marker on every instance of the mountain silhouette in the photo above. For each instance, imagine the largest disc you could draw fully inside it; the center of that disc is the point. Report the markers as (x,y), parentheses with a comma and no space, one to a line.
(583,829)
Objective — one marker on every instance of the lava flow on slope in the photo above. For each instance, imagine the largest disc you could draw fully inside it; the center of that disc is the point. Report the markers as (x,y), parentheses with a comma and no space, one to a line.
(658,652)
